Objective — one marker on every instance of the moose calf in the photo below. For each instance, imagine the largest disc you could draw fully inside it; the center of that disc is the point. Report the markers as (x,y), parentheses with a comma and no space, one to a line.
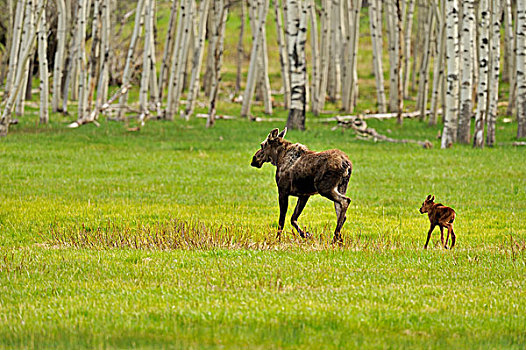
(439,215)
(303,173)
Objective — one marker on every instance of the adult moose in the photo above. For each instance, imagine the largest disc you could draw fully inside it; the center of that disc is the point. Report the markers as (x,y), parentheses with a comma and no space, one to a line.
(303,173)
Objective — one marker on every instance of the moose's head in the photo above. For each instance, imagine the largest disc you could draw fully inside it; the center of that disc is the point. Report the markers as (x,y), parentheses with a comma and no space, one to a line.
(268,151)
(428,202)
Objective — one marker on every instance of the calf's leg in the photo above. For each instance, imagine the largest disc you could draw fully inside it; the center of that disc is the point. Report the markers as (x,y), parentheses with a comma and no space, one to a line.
(302,201)
(453,237)
(442,234)
(429,235)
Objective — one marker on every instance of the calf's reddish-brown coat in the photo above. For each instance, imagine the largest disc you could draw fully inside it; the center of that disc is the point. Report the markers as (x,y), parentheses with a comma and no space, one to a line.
(303,173)
(439,215)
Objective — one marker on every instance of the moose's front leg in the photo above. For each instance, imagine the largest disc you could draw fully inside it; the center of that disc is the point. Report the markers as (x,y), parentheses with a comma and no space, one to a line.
(283,205)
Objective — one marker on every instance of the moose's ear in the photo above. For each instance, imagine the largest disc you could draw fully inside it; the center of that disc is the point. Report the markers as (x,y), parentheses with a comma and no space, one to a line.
(428,197)
(283,133)
(273,134)
(433,199)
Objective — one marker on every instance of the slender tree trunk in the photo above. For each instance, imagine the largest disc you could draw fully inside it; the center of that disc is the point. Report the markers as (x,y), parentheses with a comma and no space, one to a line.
(126,75)
(311,9)
(325,54)
(81,58)
(28,24)
(221,16)
(466,90)
(297,29)
(240,50)
(400,44)
(283,56)
(376,41)
(9,41)
(510,54)
(168,45)
(15,49)
(197,60)
(438,71)
(5,117)
(59,55)
(494,74)
(482,88)
(407,47)
(394,53)
(102,85)
(43,69)
(146,60)
(521,67)
(424,68)
(449,135)
(253,67)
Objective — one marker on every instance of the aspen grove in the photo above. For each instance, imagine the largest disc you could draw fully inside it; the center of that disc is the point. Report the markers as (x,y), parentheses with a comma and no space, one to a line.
(449,56)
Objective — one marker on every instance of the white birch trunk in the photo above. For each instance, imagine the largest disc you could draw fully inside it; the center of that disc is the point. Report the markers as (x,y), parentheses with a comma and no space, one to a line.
(59,55)
(510,49)
(43,68)
(438,70)
(521,68)
(126,74)
(376,41)
(466,86)
(81,58)
(146,60)
(483,69)
(253,66)
(221,16)
(350,83)
(240,51)
(407,45)
(283,56)
(424,68)
(394,54)
(17,86)
(183,55)
(28,24)
(297,29)
(197,59)
(311,9)
(449,135)
(168,45)
(15,46)
(102,85)
(494,72)
(325,54)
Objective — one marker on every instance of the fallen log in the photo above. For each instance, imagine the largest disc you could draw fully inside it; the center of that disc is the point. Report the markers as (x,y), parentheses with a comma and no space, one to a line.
(409,115)
(363,132)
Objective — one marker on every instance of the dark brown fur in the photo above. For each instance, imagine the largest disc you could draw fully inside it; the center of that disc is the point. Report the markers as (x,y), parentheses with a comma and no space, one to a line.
(439,215)
(303,173)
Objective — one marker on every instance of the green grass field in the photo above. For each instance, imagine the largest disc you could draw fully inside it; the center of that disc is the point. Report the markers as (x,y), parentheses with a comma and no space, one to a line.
(166,238)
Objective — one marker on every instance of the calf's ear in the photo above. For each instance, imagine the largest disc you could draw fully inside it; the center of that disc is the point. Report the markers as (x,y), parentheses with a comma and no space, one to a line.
(273,134)
(433,199)
(283,133)
(428,197)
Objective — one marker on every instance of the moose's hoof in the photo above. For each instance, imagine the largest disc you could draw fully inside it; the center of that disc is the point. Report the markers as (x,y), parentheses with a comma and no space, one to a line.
(425,247)
(445,247)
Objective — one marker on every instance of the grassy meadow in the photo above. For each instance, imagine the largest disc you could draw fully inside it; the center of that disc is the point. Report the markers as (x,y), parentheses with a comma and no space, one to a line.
(165,238)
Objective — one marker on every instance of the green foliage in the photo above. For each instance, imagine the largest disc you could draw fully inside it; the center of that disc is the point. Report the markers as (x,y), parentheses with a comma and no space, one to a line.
(167,236)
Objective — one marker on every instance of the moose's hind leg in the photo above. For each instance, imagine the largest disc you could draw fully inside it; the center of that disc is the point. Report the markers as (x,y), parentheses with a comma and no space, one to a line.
(343,203)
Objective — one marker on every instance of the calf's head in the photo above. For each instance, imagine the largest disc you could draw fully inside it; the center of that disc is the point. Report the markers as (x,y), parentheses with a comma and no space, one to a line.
(269,149)
(429,201)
